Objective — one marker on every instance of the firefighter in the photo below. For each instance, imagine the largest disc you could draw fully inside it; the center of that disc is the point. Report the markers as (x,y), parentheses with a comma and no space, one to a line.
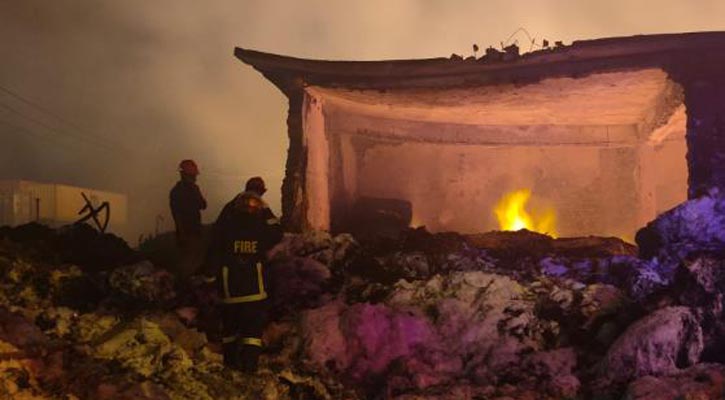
(243,234)
(187,202)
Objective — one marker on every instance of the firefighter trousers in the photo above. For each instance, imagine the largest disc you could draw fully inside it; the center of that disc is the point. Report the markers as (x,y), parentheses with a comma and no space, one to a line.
(242,327)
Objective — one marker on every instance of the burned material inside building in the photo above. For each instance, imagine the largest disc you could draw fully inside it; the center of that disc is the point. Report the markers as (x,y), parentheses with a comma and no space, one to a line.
(608,133)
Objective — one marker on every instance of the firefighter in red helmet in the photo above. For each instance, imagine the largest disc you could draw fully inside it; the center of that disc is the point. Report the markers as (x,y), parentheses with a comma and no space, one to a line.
(243,234)
(187,202)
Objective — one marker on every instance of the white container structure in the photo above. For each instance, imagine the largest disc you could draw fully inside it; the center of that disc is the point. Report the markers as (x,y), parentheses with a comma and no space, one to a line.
(54,205)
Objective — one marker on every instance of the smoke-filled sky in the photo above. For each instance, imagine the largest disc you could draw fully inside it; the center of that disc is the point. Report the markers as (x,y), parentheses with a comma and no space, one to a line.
(121,90)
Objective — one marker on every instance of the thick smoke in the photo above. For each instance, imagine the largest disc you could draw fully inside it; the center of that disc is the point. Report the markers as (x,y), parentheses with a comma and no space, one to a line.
(140,84)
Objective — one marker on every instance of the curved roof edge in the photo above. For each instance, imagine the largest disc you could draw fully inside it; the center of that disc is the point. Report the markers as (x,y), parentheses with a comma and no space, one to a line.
(579,57)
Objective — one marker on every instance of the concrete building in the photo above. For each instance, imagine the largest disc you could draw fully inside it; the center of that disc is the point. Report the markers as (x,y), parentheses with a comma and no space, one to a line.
(609,131)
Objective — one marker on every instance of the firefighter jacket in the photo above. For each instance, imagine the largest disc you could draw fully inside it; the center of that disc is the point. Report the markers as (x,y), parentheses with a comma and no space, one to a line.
(186,202)
(245,230)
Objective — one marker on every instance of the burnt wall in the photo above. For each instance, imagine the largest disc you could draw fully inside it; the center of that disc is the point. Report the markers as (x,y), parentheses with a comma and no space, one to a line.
(704,84)
(700,74)
(294,201)
(594,189)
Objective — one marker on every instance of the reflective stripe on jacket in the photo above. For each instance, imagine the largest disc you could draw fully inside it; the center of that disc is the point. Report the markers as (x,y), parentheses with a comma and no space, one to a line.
(245,230)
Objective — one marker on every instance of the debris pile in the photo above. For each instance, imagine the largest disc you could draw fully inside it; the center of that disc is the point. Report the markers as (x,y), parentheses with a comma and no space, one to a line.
(100,331)
(502,315)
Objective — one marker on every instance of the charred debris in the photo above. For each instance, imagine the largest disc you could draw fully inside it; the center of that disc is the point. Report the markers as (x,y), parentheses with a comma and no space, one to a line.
(499,315)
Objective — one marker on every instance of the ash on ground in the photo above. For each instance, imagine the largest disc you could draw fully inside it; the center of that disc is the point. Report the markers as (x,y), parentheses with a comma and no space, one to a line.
(502,315)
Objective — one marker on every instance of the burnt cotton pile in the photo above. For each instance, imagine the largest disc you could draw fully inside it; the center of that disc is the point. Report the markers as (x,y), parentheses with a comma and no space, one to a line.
(502,315)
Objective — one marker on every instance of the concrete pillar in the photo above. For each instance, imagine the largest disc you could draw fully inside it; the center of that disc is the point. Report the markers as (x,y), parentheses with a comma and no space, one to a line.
(317,171)
(294,201)
(705,101)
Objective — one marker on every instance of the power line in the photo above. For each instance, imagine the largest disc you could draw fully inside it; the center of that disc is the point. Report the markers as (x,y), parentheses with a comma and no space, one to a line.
(36,134)
(76,127)
(56,130)
(43,109)
(85,136)
(36,105)
(51,162)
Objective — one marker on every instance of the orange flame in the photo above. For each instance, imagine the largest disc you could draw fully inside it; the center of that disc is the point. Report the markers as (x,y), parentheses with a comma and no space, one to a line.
(513,216)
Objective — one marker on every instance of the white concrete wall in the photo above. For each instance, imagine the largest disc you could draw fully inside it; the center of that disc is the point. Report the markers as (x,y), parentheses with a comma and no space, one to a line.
(317,174)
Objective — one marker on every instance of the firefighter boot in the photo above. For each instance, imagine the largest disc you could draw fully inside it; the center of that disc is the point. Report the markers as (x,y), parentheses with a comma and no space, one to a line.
(248,357)
(231,355)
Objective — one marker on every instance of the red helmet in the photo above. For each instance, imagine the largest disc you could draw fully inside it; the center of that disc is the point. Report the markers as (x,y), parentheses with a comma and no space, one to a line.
(188,167)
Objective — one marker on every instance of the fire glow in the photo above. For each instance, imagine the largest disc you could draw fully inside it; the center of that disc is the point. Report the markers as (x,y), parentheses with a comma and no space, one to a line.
(513,216)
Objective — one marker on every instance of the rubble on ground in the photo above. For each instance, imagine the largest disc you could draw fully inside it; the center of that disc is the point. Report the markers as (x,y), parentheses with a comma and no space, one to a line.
(695,227)
(702,381)
(142,282)
(661,343)
(502,315)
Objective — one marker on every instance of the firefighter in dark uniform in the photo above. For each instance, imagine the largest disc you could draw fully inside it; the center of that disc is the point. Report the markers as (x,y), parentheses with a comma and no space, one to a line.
(244,232)
(186,203)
